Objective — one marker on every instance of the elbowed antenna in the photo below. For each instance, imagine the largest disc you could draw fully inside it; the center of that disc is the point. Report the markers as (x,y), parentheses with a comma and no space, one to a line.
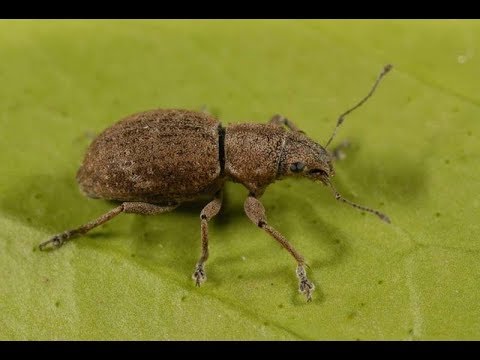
(385,70)
(360,207)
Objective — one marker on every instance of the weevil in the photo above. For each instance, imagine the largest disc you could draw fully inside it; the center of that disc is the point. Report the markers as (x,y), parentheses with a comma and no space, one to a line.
(153,161)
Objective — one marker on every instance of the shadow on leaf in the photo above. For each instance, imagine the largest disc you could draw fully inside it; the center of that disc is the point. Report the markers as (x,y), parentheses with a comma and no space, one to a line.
(398,179)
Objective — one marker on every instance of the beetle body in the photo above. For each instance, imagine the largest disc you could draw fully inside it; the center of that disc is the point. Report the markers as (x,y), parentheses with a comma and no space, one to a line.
(159,156)
(155,160)
(173,156)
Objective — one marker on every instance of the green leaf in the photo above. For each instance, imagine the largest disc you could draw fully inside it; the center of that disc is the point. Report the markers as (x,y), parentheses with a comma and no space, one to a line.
(414,155)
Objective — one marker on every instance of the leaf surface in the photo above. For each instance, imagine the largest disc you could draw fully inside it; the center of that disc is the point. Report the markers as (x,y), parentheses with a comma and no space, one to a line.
(414,155)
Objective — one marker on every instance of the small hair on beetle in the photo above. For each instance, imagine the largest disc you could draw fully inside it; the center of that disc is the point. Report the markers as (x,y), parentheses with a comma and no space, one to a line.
(385,70)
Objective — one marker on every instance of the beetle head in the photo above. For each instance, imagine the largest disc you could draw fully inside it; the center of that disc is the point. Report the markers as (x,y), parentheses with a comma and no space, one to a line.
(304,157)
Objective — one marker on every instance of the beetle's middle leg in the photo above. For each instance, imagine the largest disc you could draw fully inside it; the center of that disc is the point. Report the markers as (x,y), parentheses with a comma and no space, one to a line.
(283,121)
(208,212)
(256,213)
(126,207)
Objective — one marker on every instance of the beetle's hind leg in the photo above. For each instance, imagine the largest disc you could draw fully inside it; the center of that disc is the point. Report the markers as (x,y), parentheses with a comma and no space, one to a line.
(208,212)
(127,207)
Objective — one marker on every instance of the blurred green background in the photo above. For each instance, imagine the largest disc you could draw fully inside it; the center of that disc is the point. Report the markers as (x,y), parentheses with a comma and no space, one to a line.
(414,155)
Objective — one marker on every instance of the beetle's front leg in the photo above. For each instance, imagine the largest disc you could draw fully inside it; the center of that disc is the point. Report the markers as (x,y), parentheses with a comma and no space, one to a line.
(283,121)
(337,153)
(208,212)
(256,213)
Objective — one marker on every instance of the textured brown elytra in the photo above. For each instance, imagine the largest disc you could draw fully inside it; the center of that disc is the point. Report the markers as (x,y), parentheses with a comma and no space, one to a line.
(155,160)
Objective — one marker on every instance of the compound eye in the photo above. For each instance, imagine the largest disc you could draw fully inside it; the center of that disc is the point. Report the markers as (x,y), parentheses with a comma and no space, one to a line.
(297,167)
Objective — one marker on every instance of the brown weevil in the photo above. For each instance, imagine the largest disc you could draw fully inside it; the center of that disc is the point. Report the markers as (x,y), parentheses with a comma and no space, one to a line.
(153,161)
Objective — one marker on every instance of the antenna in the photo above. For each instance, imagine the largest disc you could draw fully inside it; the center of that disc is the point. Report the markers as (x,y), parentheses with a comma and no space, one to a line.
(360,207)
(385,70)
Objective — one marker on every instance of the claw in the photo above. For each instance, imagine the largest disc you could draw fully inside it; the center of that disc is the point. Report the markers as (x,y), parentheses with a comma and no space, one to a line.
(199,275)
(55,242)
(305,286)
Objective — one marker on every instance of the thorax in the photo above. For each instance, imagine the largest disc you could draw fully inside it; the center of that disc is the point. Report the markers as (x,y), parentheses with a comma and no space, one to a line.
(253,153)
